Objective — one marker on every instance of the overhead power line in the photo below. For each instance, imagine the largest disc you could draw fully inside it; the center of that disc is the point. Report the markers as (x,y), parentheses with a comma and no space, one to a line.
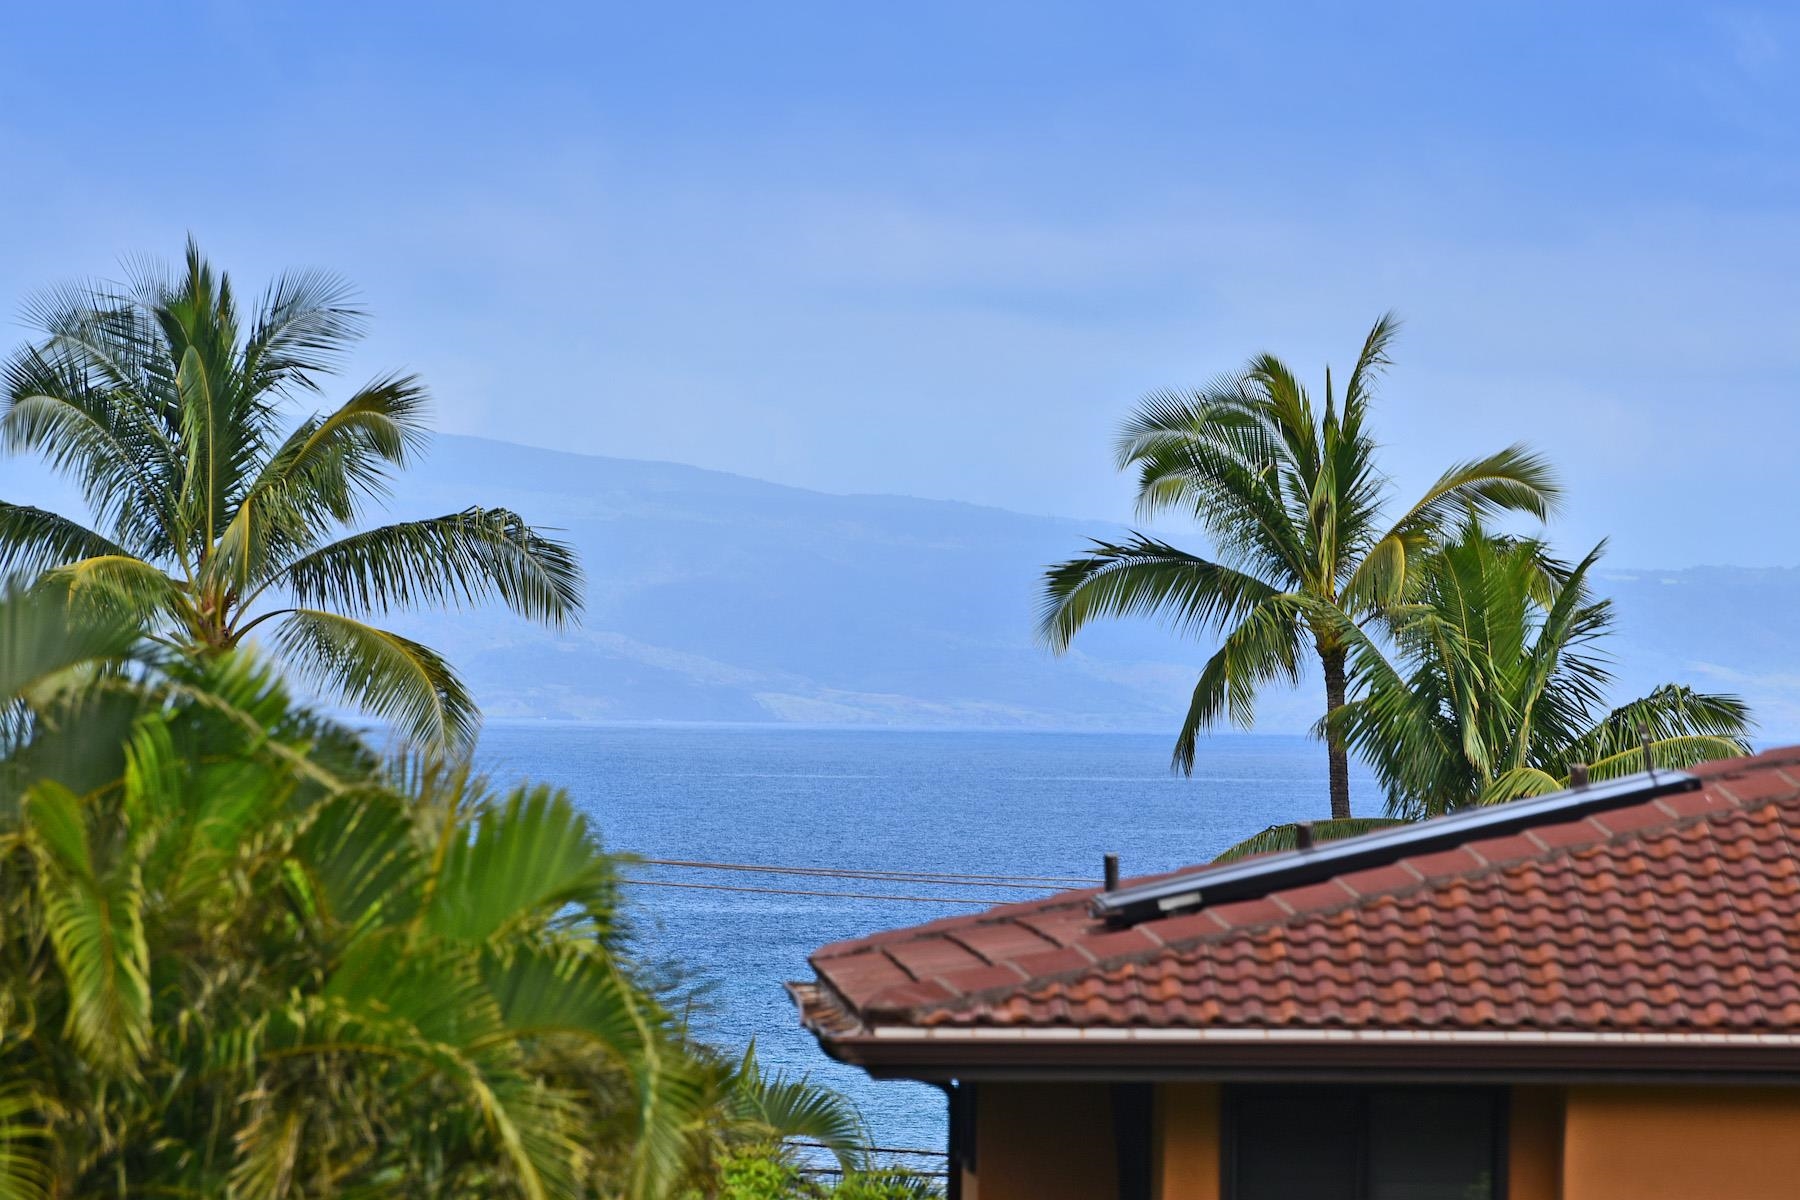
(726,887)
(1035,883)
(872,1149)
(839,1171)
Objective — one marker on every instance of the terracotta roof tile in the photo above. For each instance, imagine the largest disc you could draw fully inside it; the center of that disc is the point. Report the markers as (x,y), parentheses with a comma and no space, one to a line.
(1677,915)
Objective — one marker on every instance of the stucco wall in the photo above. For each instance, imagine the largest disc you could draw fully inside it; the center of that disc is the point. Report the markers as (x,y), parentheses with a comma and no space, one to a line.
(1186,1149)
(1681,1144)
(1043,1141)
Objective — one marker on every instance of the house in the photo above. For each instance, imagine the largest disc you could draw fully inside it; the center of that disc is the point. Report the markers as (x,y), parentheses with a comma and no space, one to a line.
(1587,996)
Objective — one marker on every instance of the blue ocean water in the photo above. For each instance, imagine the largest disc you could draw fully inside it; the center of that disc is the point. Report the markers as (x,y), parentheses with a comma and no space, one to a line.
(997,803)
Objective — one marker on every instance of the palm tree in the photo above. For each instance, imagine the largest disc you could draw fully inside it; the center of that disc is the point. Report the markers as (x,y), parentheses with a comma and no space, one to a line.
(167,409)
(259,969)
(1500,687)
(1293,503)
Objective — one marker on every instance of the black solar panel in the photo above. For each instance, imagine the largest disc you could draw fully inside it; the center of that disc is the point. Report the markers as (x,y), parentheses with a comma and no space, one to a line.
(1296,868)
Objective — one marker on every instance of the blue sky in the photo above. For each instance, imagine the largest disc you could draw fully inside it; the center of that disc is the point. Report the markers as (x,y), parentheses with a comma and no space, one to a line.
(940,249)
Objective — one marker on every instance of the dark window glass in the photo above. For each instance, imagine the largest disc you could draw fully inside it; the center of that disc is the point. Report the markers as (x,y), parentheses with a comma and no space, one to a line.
(1431,1144)
(1339,1143)
(1296,1144)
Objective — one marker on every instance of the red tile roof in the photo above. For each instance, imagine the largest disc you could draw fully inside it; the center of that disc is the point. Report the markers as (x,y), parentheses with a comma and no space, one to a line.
(1681,915)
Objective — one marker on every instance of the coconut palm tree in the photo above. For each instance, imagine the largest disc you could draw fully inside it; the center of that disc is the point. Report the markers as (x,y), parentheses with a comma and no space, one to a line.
(1295,506)
(1493,685)
(166,405)
(242,956)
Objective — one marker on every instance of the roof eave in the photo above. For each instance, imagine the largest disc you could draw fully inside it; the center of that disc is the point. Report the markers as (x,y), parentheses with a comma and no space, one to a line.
(1241,1054)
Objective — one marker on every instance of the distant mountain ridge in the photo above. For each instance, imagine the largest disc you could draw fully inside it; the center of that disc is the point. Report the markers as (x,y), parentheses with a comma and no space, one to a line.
(720,597)
(717,597)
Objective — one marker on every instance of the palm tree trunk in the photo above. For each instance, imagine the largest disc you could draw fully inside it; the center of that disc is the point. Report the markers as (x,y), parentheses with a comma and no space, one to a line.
(1333,661)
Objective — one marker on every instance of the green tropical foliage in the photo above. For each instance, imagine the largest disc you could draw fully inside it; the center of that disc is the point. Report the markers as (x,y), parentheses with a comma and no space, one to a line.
(166,404)
(241,956)
(765,1173)
(775,1109)
(1286,836)
(1291,497)
(1491,684)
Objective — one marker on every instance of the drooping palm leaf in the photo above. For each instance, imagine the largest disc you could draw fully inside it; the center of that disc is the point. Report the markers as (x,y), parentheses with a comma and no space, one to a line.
(391,676)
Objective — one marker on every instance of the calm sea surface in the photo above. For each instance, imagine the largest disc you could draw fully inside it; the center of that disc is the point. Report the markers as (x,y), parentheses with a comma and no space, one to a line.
(972,803)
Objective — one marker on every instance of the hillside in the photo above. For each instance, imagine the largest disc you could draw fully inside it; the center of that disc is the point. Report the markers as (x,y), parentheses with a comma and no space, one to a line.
(719,598)
(715,597)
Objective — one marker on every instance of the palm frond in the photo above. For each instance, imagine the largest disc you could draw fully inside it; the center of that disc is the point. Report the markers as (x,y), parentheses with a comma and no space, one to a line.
(305,323)
(93,911)
(525,862)
(1674,753)
(40,643)
(460,558)
(327,465)
(779,1108)
(1143,578)
(78,437)
(1520,783)
(1515,479)
(1287,836)
(1262,648)
(33,540)
(393,677)
(1217,457)
(1672,711)
(120,585)
(25,1170)
(359,862)
(1371,362)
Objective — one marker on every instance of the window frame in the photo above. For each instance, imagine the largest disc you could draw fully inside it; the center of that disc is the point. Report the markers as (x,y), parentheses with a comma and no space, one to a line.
(1231,1094)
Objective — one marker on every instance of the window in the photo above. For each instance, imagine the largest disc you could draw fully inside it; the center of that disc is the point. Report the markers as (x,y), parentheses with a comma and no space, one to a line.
(1343,1143)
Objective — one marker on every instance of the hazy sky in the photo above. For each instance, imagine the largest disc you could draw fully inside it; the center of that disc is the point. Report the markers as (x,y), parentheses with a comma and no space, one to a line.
(940,249)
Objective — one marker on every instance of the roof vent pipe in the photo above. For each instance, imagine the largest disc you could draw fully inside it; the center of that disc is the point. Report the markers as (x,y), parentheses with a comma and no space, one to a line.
(1578,776)
(1303,835)
(1111,862)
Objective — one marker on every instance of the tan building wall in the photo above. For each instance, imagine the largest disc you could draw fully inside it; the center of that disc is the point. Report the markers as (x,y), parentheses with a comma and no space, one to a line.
(1054,1142)
(1043,1141)
(1681,1144)
(1185,1151)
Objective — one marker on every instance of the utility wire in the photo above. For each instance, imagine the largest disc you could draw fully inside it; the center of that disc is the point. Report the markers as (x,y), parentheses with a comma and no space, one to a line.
(1026,882)
(872,1149)
(839,1171)
(725,887)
